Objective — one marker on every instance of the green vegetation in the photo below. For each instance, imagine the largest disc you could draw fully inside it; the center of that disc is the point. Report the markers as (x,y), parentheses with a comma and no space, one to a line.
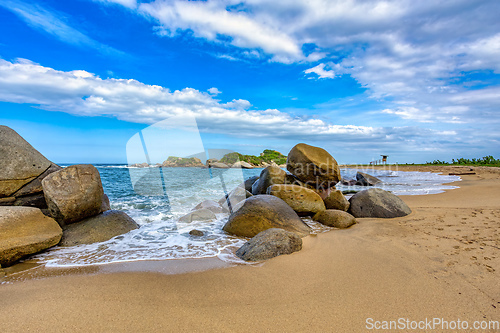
(485,161)
(182,161)
(267,156)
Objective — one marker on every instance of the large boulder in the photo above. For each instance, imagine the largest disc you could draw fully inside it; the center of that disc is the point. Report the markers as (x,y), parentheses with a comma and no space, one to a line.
(99,228)
(336,200)
(73,193)
(237,195)
(269,176)
(218,165)
(25,231)
(270,243)
(247,184)
(376,202)
(202,214)
(364,179)
(335,218)
(313,165)
(302,200)
(262,212)
(20,163)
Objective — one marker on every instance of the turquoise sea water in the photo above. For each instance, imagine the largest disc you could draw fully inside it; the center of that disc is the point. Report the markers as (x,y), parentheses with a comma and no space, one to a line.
(156,197)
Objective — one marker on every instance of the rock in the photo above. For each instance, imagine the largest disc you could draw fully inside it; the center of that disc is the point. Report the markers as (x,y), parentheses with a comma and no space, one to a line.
(365,179)
(234,197)
(313,165)
(25,231)
(218,165)
(247,184)
(35,186)
(269,176)
(351,182)
(197,233)
(302,200)
(335,218)
(270,243)
(176,162)
(198,215)
(262,212)
(210,205)
(99,228)
(336,200)
(20,163)
(375,202)
(140,165)
(34,200)
(73,193)
(242,165)
(105,205)
(8,201)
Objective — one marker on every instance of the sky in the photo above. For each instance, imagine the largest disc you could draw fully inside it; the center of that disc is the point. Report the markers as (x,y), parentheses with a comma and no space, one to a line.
(415,80)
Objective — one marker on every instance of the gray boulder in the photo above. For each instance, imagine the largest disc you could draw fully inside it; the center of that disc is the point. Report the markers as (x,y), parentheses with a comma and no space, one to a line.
(270,243)
(219,165)
(313,165)
(242,165)
(269,176)
(336,200)
(99,228)
(25,231)
(73,193)
(302,200)
(262,212)
(335,218)
(376,202)
(198,215)
(247,184)
(210,205)
(20,163)
(364,179)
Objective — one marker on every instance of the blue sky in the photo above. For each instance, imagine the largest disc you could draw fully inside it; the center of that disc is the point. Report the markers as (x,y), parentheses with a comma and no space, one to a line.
(417,80)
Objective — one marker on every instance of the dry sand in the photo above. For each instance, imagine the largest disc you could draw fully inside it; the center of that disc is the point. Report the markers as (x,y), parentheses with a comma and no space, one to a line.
(442,261)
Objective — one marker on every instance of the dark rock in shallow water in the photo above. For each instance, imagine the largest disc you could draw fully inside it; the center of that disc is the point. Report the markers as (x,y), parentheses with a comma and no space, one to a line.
(99,228)
(25,231)
(313,165)
(20,163)
(336,200)
(262,212)
(335,218)
(247,184)
(197,233)
(198,215)
(365,179)
(302,200)
(73,193)
(270,243)
(269,176)
(375,202)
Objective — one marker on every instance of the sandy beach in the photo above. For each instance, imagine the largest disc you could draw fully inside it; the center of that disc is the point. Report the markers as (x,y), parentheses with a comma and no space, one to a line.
(441,261)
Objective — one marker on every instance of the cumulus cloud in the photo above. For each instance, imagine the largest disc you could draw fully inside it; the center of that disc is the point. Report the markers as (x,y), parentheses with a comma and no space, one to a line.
(321,72)
(55,24)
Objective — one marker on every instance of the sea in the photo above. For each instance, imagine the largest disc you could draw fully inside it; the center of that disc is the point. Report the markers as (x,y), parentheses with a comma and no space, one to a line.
(156,197)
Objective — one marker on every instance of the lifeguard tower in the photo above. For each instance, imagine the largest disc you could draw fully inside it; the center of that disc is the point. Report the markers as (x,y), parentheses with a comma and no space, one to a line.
(384,159)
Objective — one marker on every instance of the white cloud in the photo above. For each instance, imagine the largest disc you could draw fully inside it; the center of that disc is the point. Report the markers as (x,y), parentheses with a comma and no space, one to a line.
(321,72)
(127,3)
(214,91)
(55,24)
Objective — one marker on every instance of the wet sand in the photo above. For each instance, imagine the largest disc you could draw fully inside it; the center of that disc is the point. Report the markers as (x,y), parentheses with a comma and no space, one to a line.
(442,261)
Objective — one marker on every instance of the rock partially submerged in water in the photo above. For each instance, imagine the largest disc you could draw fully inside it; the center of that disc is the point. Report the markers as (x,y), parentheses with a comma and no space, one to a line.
(202,214)
(376,202)
(302,200)
(364,179)
(73,193)
(336,200)
(262,212)
(270,243)
(25,231)
(98,228)
(335,218)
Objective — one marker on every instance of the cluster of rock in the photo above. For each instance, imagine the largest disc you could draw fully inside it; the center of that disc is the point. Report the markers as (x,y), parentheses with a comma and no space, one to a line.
(42,204)
(268,208)
(362,179)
